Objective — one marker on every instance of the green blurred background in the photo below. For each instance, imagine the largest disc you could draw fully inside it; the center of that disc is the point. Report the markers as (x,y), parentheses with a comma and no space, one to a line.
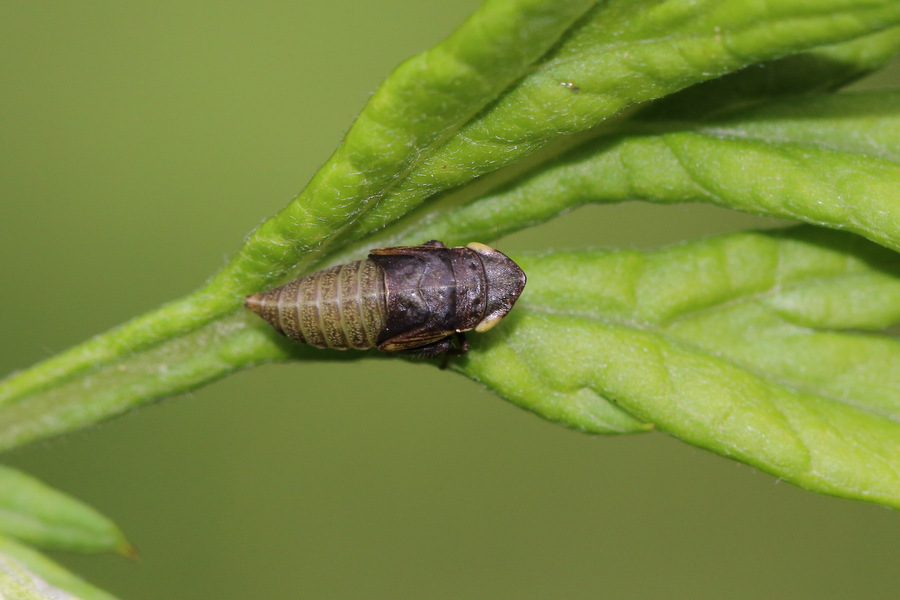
(140,143)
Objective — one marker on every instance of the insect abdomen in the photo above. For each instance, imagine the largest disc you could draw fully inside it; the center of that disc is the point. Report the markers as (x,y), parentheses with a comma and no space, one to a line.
(341,307)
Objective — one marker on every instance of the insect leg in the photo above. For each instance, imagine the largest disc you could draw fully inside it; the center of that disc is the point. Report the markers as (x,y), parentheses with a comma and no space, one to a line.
(461,347)
(462,344)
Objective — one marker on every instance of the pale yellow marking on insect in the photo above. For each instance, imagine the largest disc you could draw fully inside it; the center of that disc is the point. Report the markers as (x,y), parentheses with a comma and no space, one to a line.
(480,248)
(488,322)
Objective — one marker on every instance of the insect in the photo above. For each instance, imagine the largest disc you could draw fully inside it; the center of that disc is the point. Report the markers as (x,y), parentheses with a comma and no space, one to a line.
(409,299)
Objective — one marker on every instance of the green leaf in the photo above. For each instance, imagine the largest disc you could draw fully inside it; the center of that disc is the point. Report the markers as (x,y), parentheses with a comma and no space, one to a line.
(749,345)
(830,160)
(29,575)
(822,69)
(39,515)
(624,53)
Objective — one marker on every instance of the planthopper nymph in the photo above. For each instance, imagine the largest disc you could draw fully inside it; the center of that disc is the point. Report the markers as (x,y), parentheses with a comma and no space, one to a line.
(410,299)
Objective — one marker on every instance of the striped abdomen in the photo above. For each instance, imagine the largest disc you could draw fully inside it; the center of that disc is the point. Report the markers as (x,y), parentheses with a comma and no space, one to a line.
(341,307)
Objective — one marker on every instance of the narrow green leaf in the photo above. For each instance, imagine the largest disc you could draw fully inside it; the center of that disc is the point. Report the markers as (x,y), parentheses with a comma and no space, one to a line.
(543,192)
(739,344)
(182,364)
(29,575)
(624,53)
(820,70)
(41,516)
(828,160)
